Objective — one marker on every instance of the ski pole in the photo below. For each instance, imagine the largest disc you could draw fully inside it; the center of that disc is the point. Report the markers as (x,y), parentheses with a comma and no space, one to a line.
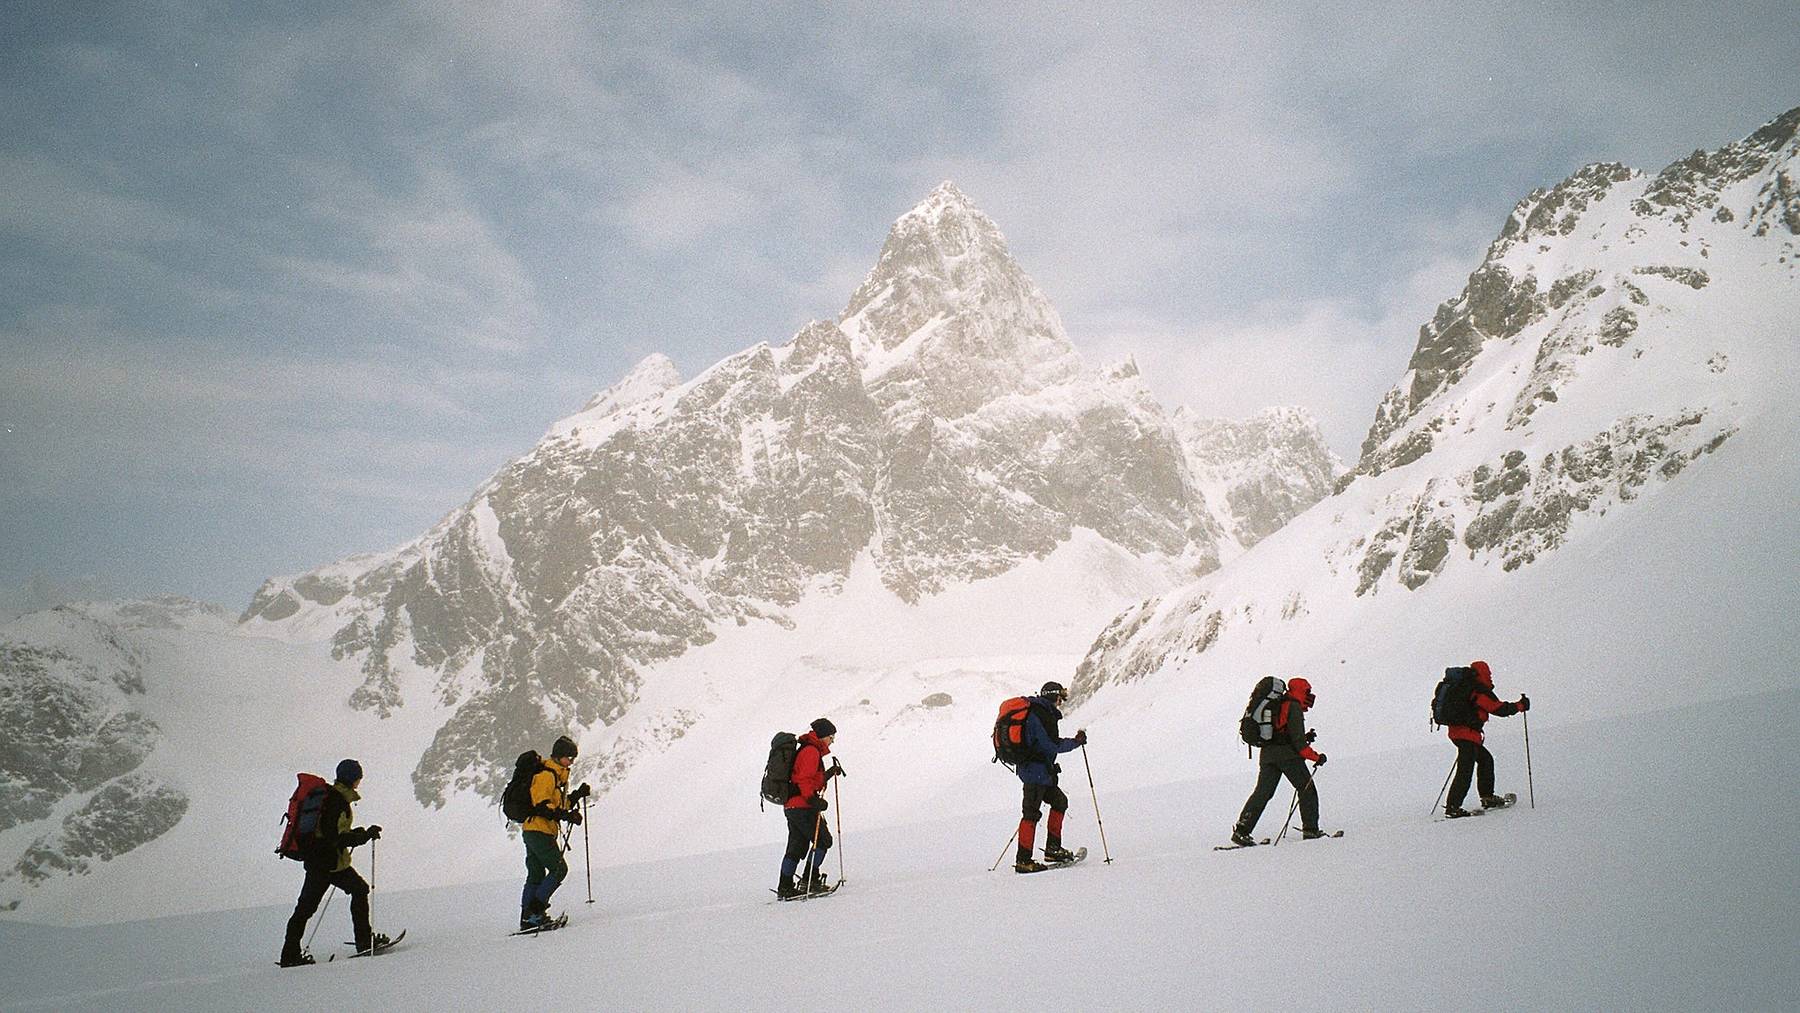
(1096,797)
(1528,785)
(320,920)
(818,822)
(1446,787)
(837,804)
(1003,851)
(587,857)
(371,865)
(1296,803)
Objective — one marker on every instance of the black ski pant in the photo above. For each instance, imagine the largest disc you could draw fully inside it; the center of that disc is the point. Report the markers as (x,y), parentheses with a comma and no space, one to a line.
(313,891)
(1471,758)
(1272,771)
(802,824)
(1031,809)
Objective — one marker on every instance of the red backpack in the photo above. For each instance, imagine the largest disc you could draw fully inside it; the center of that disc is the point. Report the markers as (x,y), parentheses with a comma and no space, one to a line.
(302,817)
(1009,732)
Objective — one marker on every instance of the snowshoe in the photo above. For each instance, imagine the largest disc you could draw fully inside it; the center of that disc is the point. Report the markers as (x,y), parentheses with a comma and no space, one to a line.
(380,944)
(1311,835)
(297,960)
(1029,865)
(1058,855)
(1456,812)
(1242,839)
(786,889)
(1498,801)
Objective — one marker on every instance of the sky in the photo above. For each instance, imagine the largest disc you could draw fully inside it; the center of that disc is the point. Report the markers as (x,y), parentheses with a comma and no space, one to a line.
(280,283)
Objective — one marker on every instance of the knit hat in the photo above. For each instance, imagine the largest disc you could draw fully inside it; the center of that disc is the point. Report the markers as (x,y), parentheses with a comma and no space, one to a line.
(565,746)
(823,728)
(349,772)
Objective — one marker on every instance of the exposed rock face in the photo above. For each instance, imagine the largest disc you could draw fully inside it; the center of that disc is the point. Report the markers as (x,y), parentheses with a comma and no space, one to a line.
(126,814)
(70,688)
(1522,414)
(1263,471)
(70,726)
(943,425)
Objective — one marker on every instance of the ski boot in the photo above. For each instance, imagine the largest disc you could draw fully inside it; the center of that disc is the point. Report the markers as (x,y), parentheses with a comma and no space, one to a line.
(300,959)
(1456,812)
(819,882)
(1029,865)
(1495,801)
(786,888)
(377,943)
(1242,838)
(1311,835)
(1056,854)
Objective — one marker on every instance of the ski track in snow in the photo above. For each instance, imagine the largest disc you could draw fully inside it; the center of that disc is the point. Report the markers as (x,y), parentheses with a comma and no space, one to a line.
(1656,872)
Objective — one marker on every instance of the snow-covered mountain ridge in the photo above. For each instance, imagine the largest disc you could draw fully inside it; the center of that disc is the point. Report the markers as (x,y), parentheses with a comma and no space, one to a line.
(1623,333)
(943,424)
(937,469)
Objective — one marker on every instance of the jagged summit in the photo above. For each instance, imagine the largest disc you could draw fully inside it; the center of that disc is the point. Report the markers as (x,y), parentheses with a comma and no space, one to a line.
(947,319)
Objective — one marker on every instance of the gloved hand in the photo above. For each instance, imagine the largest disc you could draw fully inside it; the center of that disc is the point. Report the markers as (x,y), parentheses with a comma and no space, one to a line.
(835,770)
(818,802)
(572,816)
(1311,735)
(1081,737)
(1320,762)
(580,793)
(375,832)
(1056,768)
(1524,702)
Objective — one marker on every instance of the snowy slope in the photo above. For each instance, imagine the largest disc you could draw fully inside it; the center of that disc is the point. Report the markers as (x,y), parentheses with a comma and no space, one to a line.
(1604,463)
(1643,879)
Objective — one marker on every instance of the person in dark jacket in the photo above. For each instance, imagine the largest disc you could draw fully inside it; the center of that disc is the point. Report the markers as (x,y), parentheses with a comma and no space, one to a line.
(1472,757)
(1038,775)
(1286,756)
(805,811)
(327,865)
(551,804)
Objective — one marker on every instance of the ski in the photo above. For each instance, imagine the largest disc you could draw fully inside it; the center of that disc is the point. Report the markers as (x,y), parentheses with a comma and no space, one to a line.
(1239,847)
(550,926)
(828,891)
(379,949)
(1080,855)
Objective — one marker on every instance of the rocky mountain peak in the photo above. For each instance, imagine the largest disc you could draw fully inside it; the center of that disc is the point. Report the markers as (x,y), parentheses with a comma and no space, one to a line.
(653,375)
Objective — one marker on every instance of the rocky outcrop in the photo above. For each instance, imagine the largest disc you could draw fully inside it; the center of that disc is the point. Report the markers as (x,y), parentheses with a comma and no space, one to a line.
(943,425)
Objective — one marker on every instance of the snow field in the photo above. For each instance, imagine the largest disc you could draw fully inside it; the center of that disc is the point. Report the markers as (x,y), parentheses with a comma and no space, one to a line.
(1657,872)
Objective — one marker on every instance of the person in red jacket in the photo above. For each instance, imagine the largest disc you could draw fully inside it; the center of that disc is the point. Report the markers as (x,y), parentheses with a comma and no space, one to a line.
(1285,756)
(1471,756)
(805,811)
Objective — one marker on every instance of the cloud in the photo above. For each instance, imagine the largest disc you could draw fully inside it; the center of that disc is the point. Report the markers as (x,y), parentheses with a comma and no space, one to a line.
(1333,357)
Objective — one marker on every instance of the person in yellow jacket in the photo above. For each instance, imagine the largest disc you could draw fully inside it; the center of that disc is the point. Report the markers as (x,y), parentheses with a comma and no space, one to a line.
(551,803)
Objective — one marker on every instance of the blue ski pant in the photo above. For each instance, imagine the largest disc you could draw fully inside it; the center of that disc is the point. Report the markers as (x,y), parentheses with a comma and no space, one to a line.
(544,870)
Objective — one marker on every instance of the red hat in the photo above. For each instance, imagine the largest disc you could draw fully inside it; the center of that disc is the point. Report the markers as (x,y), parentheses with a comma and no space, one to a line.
(1301,690)
(1483,673)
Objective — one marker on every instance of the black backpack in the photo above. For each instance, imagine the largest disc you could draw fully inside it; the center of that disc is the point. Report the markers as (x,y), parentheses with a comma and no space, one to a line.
(1257,726)
(1453,702)
(515,802)
(778,772)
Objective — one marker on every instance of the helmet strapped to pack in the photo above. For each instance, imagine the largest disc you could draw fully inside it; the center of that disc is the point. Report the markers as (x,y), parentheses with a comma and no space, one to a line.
(1257,726)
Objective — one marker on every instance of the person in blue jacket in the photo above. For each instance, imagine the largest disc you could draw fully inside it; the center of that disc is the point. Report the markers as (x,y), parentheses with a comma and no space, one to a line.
(1039,777)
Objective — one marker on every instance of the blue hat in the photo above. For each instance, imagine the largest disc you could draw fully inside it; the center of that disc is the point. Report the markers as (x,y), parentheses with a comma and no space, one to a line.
(349,772)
